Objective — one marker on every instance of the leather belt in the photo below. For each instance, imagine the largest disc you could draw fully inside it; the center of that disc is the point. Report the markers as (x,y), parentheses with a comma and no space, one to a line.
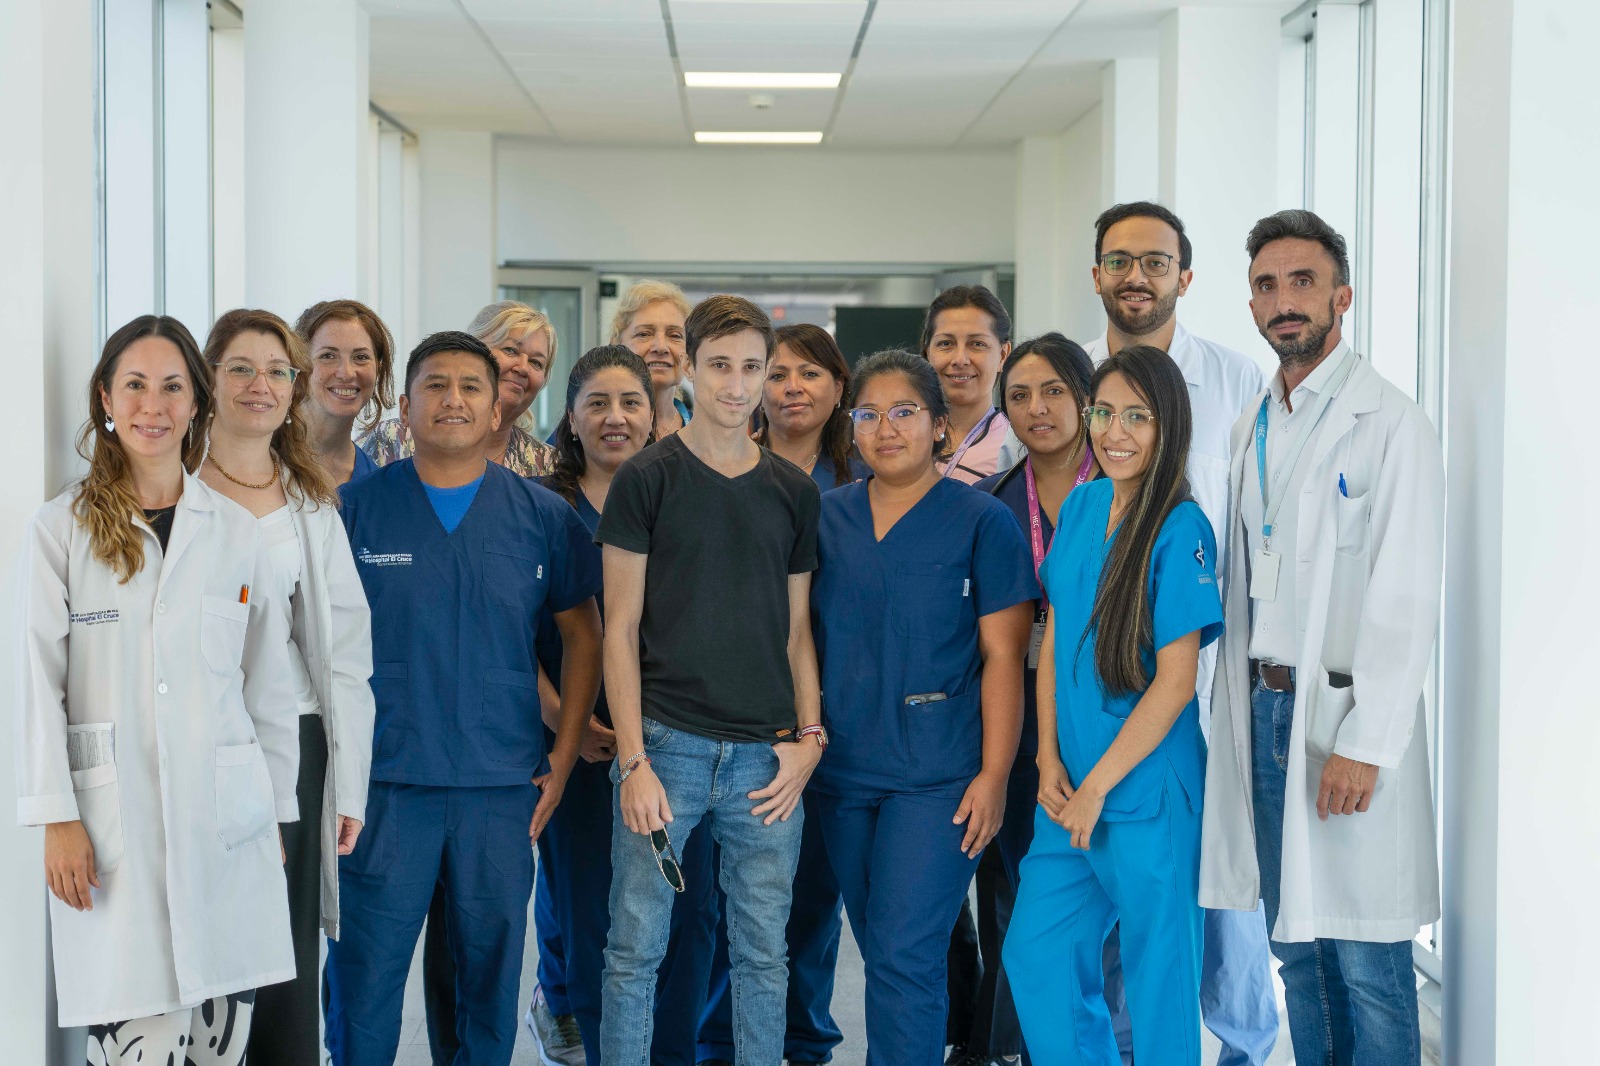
(1275,677)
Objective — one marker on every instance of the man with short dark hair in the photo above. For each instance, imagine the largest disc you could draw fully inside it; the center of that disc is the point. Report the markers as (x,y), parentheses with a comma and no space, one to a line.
(1318,797)
(459,558)
(1143,266)
(711,675)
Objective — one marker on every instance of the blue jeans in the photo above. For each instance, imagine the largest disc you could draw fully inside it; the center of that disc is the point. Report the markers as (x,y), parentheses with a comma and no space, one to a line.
(1350,1003)
(704,779)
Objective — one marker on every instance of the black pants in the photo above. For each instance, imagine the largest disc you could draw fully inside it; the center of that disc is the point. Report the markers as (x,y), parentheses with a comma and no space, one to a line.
(284,1031)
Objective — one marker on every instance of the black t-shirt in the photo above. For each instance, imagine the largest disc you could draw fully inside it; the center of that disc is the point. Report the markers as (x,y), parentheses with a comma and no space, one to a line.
(713,639)
(160,522)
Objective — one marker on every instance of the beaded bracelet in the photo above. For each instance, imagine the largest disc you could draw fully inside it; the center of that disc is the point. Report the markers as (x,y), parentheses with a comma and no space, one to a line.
(631,765)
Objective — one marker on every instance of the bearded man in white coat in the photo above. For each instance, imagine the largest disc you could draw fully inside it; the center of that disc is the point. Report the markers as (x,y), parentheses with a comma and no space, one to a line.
(1317,792)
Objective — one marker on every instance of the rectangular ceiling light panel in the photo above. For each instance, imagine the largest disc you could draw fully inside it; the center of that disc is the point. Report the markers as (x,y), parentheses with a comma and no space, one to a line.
(760,137)
(720,79)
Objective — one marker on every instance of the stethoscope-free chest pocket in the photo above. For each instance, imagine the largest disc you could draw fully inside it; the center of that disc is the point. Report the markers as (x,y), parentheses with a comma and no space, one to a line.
(222,629)
(514,572)
(928,601)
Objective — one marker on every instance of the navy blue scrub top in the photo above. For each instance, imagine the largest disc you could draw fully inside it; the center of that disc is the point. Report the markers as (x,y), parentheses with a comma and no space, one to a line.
(899,618)
(823,472)
(1182,595)
(454,617)
(1010,487)
(548,641)
(364,465)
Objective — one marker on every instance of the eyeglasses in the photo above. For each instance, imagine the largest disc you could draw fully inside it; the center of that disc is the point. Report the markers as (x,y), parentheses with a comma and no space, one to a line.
(667,859)
(1154,264)
(867,420)
(1133,418)
(243,374)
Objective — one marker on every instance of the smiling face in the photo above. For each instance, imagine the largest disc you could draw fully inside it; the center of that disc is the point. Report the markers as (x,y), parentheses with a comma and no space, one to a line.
(897,449)
(1124,455)
(800,395)
(1041,407)
(344,368)
(150,398)
(967,355)
(1137,304)
(254,385)
(524,369)
(727,373)
(656,335)
(451,407)
(1297,299)
(611,417)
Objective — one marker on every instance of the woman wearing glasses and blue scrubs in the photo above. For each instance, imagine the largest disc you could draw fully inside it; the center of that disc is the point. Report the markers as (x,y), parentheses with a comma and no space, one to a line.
(921,607)
(1133,599)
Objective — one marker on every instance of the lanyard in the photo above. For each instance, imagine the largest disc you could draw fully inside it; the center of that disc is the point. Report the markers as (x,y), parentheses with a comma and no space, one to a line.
(973,436)
(1035,519)
(1271,504)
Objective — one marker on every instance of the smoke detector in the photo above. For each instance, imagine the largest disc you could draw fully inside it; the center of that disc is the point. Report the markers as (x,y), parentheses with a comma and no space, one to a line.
(762,101)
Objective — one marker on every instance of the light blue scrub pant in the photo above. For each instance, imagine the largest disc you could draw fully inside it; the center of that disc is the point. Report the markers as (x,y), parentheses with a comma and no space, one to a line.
(1144,874)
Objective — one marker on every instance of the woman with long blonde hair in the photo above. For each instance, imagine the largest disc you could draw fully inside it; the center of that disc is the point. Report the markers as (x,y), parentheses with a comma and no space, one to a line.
(260,456)
(156,727)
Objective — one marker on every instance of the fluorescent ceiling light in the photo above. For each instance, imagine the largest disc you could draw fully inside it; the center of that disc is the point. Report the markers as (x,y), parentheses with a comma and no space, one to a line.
(722,79)
(760,137)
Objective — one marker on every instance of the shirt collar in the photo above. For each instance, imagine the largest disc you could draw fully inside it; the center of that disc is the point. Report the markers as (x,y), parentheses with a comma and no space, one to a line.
(1315,381)
(1181,350)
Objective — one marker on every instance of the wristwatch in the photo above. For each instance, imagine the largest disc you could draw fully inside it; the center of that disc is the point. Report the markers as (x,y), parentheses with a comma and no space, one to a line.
(814,731)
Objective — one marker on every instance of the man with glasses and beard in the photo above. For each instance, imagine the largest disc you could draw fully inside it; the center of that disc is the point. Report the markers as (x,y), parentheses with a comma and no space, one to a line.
(1143,263)
(1318,798)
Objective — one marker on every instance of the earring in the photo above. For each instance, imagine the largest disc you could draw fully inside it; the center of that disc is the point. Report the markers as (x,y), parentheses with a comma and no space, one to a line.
(188,437)
(111,427)
(289,420)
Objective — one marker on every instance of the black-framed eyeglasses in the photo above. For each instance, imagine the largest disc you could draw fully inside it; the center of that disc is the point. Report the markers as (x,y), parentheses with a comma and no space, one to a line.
(1133,418)
(867,420)
(1154,264)
(667,859)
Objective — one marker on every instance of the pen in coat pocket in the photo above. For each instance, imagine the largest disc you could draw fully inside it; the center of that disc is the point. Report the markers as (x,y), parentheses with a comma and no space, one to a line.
(1344,490)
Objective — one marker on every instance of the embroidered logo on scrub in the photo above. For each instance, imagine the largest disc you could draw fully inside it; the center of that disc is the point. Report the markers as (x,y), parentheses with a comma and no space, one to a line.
(93,618)
(539,574)
(387,559)
(1200,554)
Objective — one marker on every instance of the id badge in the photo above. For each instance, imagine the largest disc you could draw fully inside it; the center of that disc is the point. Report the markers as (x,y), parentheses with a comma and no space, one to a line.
(1036,641)
(1264,575)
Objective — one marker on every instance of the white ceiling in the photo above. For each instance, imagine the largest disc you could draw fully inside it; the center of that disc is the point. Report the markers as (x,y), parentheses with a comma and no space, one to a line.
(918,73)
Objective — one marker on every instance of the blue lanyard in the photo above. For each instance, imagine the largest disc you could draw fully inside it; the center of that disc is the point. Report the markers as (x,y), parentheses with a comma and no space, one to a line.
(1271,505)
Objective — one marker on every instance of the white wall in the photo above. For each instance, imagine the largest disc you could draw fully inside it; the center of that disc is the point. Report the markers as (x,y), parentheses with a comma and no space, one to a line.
(1522,861)
(1084,196)
(739,205)
(457,189)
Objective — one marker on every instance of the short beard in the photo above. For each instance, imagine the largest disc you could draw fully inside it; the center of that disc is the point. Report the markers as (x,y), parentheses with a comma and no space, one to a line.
(1307,347)
(1165,306)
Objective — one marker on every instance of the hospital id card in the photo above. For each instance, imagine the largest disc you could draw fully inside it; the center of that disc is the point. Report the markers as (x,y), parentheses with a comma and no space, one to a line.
(1035,642)
(1264,575)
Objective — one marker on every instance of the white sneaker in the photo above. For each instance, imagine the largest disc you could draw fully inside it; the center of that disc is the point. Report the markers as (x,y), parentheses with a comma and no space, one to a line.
(556,1036)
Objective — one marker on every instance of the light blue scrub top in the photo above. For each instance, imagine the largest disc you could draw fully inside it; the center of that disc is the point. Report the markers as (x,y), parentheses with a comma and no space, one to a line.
(899,618)
(1182,597)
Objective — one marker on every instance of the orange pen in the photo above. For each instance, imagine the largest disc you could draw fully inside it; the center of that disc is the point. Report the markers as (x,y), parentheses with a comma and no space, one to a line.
(244,593)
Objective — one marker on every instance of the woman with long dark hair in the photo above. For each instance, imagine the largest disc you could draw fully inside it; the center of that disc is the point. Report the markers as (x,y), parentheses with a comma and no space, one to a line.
(263,459)
(1133,598)
(156,733)
(802,407)
(920,608)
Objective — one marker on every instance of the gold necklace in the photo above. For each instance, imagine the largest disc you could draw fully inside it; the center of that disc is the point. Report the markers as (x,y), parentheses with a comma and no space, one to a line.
(212,459)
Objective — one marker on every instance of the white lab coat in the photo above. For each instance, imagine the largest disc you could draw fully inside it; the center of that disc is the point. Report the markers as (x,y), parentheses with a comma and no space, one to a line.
(334,639)
(183,817)
(1368,577)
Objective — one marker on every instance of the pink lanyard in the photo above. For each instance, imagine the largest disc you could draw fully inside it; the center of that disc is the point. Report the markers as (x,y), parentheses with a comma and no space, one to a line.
(973,436)
(1036,521)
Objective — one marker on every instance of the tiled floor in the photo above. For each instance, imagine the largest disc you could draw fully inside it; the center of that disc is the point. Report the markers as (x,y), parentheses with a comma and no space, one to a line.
(847,1011)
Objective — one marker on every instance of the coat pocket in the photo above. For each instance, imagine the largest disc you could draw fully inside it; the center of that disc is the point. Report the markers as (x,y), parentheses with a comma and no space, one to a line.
(245,812)
(512,724)
(1354,515)
(929,600)
(1328,708)
(100,810)
(222,626)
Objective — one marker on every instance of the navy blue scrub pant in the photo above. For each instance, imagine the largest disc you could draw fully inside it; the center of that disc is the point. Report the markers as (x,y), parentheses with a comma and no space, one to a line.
(816,920)
(475,842)
(903,875)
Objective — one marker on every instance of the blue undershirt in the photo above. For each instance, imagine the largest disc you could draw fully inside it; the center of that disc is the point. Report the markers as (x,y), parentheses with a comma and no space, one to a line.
(451,504)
